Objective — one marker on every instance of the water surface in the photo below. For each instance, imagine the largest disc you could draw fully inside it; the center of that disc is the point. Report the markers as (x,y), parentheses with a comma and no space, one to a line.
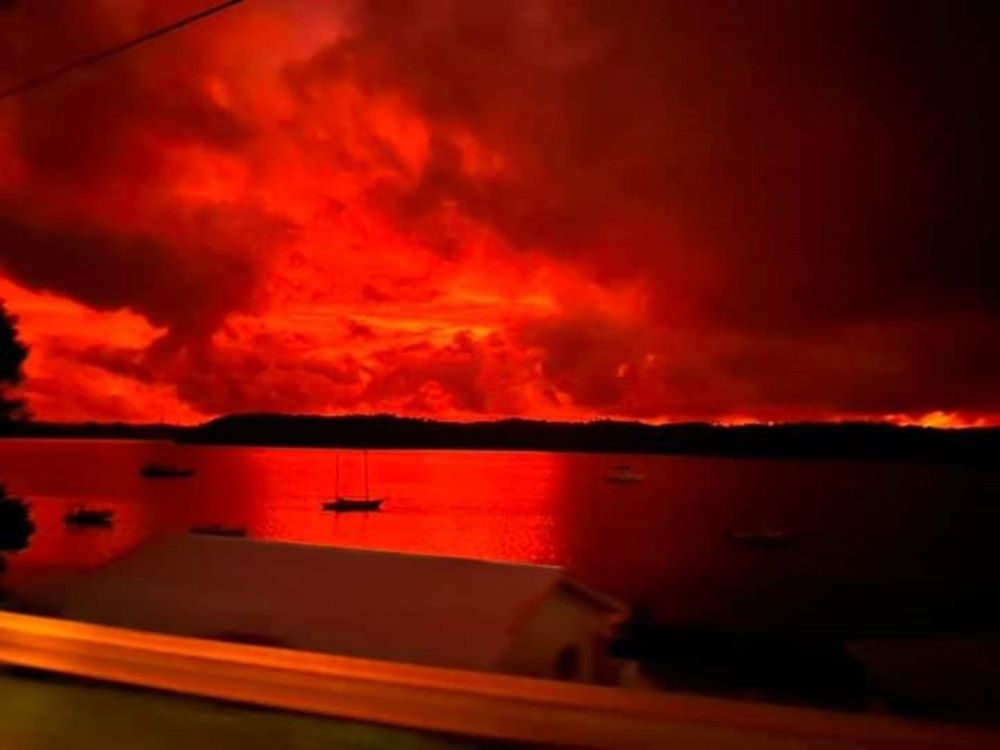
(879,545)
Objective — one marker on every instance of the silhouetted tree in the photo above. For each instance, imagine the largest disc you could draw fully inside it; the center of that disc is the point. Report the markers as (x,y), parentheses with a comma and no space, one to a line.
(16,526)
(12,356)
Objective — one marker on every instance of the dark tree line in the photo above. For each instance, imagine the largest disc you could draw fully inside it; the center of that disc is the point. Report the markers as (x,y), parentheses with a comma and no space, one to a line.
(12,356)
(16,525)
(794,441)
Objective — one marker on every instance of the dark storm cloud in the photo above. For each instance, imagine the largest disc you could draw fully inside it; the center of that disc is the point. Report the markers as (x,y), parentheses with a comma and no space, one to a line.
(120,122)
(782,173)
(836,159)
(205,264)
(92,148)
(801,190)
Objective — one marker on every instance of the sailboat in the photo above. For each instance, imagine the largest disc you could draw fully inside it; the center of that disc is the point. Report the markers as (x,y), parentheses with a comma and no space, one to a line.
(344,504)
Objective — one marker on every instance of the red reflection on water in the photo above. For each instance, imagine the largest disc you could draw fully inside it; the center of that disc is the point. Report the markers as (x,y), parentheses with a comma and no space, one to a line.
(486,505)
(870,532)
(494,506)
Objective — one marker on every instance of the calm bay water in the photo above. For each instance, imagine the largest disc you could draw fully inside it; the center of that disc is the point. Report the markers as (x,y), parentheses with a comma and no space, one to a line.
(879,545)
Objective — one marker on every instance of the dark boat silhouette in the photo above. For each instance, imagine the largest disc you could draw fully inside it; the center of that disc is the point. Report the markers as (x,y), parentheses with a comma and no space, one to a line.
(344,504)
(165,471)
(89,517)
(623,475)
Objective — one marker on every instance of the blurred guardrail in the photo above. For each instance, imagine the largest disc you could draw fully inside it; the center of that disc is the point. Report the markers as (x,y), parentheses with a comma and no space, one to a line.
(464,703)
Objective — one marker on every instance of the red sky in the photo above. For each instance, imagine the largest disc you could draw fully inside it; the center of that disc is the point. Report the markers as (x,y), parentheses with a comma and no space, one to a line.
(722,210)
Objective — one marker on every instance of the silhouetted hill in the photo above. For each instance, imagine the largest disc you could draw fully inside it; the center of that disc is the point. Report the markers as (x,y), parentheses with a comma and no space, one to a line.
(805,440)
(853,440)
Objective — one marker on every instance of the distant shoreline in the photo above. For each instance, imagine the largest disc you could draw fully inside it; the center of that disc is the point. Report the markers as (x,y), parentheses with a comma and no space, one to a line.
(90,430)
(855,441)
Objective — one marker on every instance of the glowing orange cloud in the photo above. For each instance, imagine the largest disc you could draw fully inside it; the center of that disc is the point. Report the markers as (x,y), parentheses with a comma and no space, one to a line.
(471,210)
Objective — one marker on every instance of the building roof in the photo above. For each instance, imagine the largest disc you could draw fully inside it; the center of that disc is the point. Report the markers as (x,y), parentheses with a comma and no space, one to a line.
(424,609)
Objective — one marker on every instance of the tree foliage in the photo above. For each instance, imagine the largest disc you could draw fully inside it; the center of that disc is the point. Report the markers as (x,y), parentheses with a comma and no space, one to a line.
(12,355)
(16,526)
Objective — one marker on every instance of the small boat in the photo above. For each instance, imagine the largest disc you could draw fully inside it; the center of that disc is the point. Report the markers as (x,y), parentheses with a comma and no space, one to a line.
(770,539)
(342,504)
(217,529)
(623,475)
(89,517)
(165,471)
(347,504)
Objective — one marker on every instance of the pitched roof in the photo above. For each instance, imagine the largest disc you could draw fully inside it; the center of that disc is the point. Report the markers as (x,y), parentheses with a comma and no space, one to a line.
(427,609)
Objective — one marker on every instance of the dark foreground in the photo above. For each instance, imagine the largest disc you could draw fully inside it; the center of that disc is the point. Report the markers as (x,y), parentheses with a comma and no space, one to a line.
(48,711)
(884,553)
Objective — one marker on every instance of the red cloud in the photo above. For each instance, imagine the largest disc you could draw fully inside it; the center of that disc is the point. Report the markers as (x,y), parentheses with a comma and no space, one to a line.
(659,210)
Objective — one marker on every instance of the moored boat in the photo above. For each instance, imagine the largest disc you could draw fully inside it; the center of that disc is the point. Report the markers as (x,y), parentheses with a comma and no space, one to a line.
(623,475)
(165,471)
(343,504)
(89,517)
(346,504)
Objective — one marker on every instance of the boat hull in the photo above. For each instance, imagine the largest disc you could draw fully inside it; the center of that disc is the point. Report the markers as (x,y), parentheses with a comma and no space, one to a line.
(164,474)
(88,519)
(342,505)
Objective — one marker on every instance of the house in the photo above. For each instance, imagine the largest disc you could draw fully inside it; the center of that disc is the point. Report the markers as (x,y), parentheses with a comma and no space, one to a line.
(422,609)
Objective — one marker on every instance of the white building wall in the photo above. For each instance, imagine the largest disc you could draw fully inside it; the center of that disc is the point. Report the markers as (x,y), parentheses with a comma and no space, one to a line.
(564,623)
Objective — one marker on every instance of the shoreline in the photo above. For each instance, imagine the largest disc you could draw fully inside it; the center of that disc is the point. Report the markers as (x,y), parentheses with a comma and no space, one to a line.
(793,441)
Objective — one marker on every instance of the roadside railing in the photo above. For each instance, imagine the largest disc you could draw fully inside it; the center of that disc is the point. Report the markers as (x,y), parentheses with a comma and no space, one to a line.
(464,703)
